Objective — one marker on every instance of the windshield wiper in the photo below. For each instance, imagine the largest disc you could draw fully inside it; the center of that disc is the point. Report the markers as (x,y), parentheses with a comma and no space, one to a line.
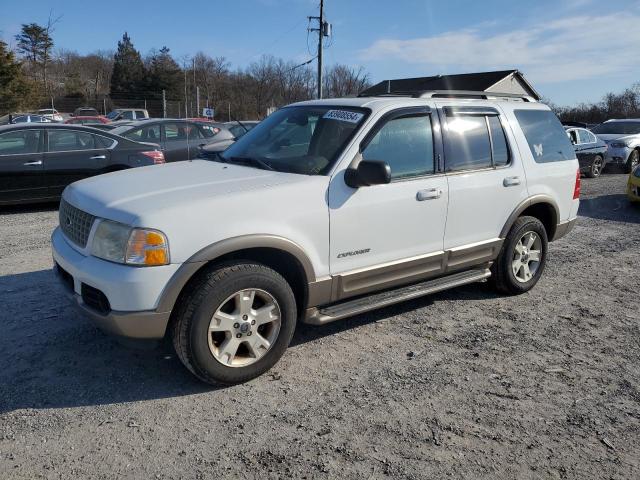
(256,162)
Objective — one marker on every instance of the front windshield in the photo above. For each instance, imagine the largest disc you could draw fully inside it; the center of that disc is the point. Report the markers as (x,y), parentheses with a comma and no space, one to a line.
(305,139)
(621,128)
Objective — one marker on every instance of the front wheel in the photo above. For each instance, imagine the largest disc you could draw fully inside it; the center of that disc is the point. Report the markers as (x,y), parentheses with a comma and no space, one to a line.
(235,323)
(632,162)
(521,261)
(595,169)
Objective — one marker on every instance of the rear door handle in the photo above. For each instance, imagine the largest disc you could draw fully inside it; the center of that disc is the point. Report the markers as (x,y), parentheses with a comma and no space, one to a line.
(32,164)
(99,157)
(511,181)
(428,194)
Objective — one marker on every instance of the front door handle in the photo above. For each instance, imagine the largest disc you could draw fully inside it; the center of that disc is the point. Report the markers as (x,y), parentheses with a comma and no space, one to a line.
(511,181)
(32,164)
(99,157)
(428,194)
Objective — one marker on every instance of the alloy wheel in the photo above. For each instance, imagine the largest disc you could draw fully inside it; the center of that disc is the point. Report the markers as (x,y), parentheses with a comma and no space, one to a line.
(527,256)
(244,328)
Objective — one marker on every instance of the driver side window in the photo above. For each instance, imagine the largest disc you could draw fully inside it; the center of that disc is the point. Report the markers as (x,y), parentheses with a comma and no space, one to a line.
(406,144)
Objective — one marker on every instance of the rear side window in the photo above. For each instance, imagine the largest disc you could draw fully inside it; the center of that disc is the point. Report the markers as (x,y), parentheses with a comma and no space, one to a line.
(20,142)
(545,135)
(474,139)
(467,144)
(584,136)
(69,140)
(140,114)
(103,142)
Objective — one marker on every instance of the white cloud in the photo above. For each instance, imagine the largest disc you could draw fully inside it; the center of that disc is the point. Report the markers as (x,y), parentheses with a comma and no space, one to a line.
(570,48)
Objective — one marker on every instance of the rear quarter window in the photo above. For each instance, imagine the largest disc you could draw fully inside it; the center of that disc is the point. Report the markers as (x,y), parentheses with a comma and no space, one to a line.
(545,135)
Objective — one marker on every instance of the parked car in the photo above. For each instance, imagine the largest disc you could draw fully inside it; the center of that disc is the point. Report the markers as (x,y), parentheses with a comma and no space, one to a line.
(50,113)
(326,209)
(99,119)
(38,161)
(633,185)
(179,139)
(85,112)
(28,118)
(623,140)
(128,114)
(228,134)
(590,150)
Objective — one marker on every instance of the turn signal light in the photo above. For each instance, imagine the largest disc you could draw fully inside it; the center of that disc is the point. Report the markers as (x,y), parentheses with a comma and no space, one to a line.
(576,188)
(148,248)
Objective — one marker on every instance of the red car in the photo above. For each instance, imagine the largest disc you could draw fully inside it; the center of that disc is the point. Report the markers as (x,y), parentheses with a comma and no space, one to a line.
(88,120)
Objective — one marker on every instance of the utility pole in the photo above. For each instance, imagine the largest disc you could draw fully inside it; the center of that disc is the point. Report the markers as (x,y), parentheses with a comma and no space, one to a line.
(186,113)
(164,104)
(197,101)
(324,30)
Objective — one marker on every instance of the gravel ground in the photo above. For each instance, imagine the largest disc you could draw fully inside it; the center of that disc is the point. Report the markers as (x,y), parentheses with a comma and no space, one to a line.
(463,384)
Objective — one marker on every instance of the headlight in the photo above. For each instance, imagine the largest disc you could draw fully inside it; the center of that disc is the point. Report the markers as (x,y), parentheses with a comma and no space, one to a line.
(119,243)
(626,144)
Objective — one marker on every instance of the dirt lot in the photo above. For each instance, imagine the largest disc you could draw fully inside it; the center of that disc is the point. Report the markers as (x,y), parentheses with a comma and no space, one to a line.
(463,384)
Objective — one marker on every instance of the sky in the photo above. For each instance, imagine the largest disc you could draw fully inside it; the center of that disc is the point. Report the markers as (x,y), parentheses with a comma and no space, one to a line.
(572,51)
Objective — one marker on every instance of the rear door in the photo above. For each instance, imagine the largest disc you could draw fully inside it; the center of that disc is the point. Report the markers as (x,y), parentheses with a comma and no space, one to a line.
(21,175)
(486,180)
(585,150)
(72,155)
(175,141)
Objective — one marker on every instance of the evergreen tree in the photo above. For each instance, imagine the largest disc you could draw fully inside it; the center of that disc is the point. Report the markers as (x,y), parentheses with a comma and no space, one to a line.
(35,44)
(164,74)
(15,89)
(128,74)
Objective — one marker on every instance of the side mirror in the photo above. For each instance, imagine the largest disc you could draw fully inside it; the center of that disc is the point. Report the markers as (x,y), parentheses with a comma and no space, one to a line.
(367,173)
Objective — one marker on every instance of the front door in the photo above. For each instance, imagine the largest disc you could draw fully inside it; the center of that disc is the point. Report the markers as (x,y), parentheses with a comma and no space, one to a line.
(21,166)
(71,155)
(392,234)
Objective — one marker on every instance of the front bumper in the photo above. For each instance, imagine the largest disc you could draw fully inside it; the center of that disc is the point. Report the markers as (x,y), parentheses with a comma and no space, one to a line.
(618,155)
(119,299)
(633,188)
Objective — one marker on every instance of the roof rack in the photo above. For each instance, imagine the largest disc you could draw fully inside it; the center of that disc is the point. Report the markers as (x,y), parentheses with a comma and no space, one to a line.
(455,94)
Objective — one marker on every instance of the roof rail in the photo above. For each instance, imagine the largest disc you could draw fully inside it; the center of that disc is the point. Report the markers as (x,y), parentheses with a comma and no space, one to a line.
(456,94)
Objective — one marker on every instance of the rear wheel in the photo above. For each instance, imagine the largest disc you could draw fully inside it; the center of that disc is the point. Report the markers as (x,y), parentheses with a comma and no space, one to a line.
(595,169)
(235,324)
(632,162)
(521,261)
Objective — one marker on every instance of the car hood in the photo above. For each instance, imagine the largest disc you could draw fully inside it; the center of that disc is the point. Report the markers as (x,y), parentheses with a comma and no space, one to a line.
(609,137)
(133,196)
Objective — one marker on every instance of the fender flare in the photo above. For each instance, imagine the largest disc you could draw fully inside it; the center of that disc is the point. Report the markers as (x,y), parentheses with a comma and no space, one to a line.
(170,293)
(533,200)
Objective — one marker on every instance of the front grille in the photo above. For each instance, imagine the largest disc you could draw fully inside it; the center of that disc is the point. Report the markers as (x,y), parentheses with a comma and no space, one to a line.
(75,223)
(94,298)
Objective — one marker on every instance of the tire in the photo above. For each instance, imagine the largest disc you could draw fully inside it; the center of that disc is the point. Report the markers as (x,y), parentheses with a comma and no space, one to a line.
(222,295)
(503,276)
(596,167)
(634,159)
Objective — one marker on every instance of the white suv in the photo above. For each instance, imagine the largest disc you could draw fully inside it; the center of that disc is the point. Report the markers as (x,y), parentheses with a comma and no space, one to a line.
(325,209)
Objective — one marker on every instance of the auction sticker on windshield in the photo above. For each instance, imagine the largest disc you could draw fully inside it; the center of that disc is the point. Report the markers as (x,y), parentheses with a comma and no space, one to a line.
(344,115)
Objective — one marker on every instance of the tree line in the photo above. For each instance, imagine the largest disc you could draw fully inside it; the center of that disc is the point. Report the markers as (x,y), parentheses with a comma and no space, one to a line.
(613,105)
(37,75)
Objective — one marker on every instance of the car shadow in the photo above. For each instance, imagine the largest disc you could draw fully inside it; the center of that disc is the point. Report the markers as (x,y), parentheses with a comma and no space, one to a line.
(28,208)
(615,207)
(51,357)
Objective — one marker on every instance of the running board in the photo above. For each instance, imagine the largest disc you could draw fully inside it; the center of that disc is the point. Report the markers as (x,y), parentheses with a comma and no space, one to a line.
(348,308)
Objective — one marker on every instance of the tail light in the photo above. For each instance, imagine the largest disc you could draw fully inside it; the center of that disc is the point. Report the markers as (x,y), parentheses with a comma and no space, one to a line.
(576,188)
(156,155)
